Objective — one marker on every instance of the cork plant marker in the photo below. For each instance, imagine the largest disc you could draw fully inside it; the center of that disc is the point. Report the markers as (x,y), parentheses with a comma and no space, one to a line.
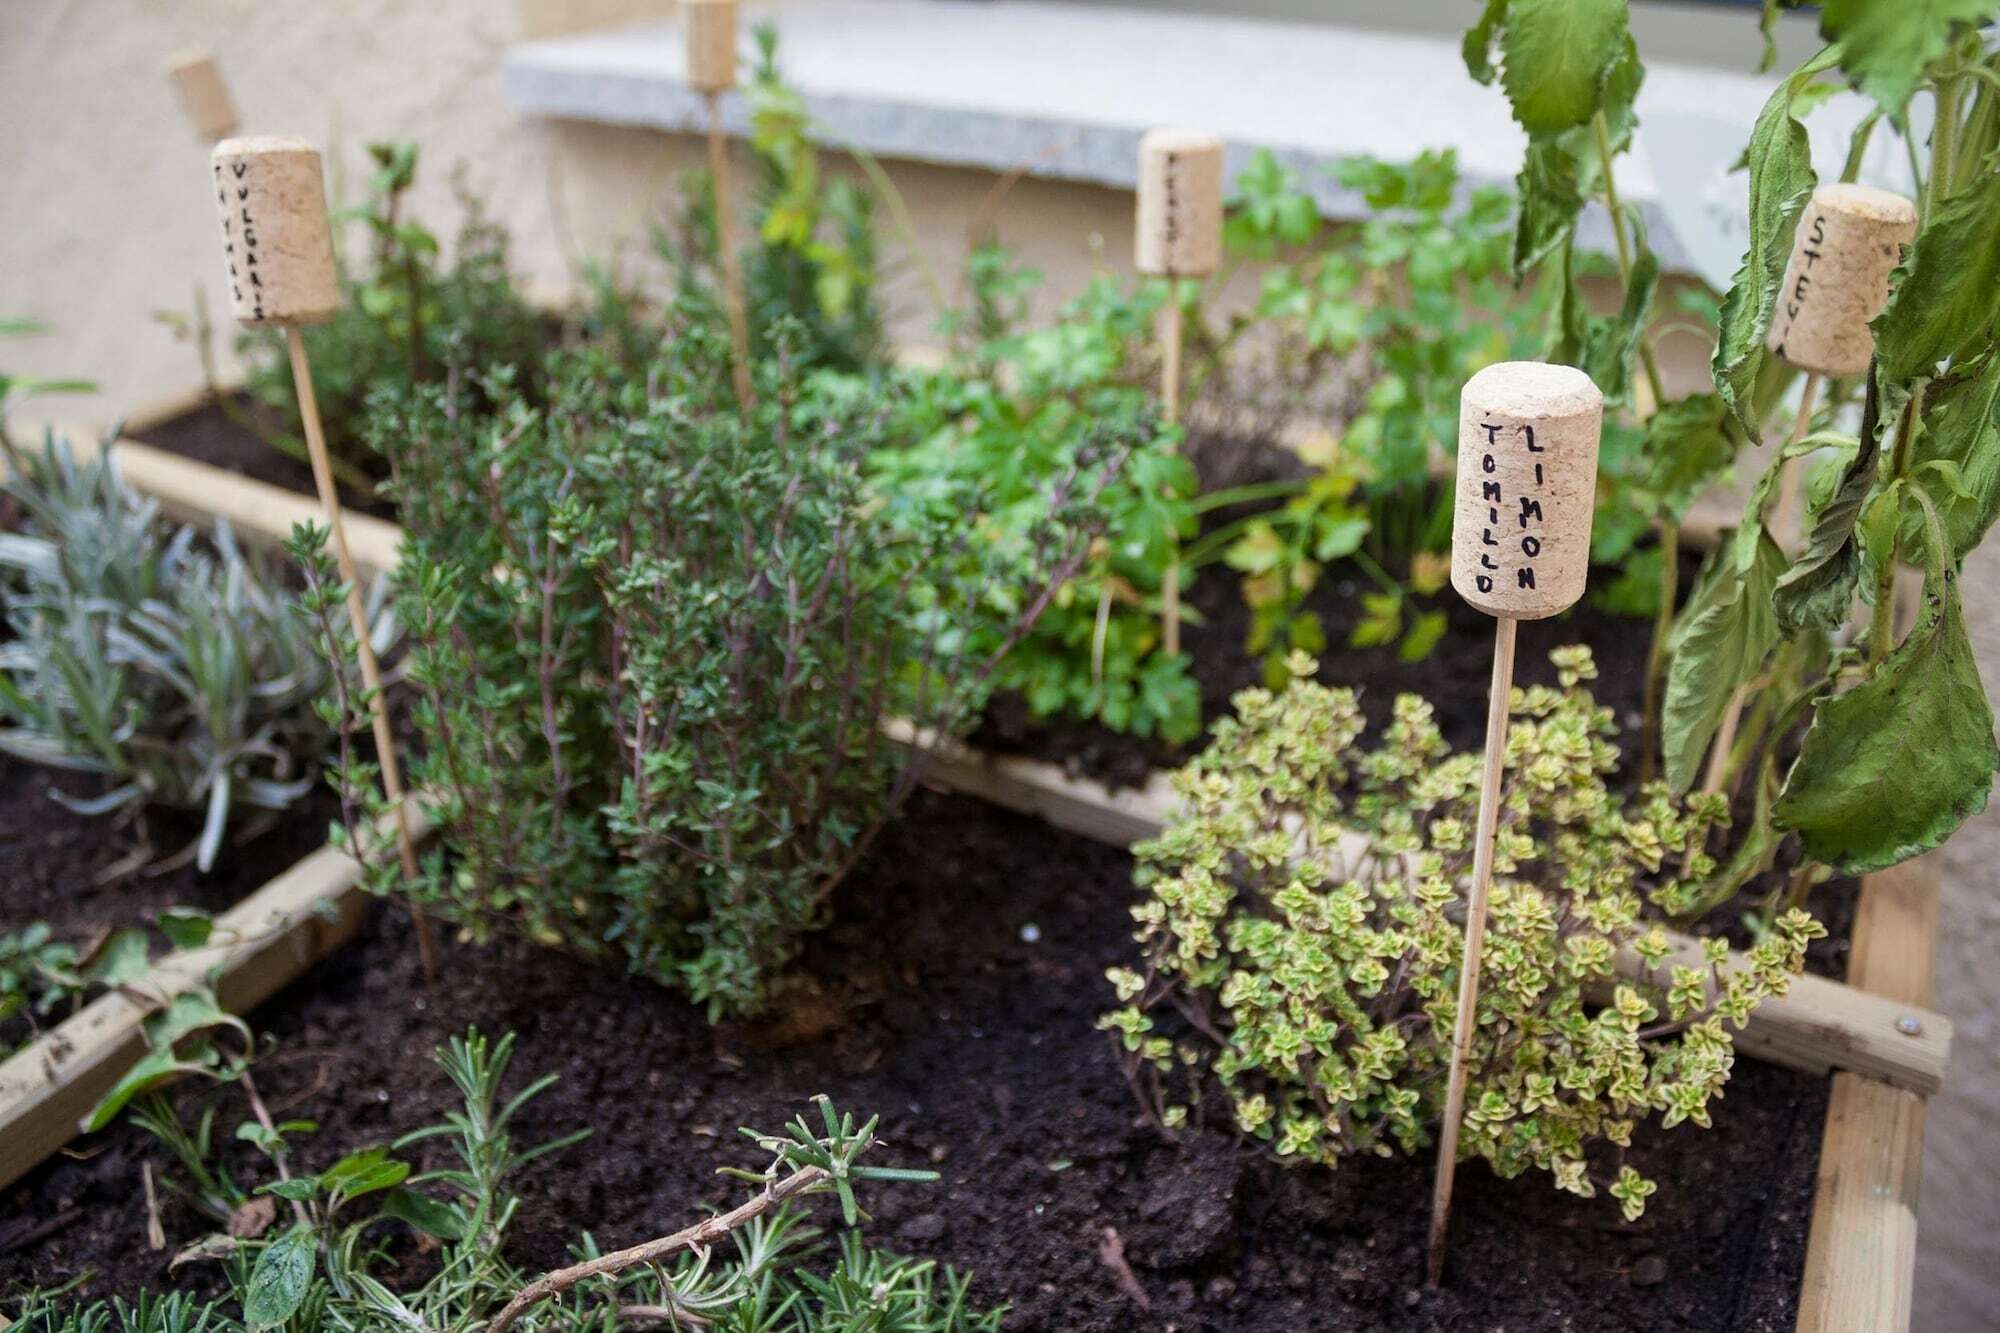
(711,71)
(277,256)
(1178,234)
(1520,550)
(1849,240)
(204,97)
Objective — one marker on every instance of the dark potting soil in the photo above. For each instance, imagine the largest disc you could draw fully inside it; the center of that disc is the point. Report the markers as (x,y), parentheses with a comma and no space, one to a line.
(956,995)
(207,435)
(53,862)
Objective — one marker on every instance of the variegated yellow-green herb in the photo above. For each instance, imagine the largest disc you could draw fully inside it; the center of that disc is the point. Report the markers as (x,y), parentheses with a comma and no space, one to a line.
(1301,926)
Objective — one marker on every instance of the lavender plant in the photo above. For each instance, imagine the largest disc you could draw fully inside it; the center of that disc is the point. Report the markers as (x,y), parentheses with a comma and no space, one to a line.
(655,644)
(1301,925)
(182,675)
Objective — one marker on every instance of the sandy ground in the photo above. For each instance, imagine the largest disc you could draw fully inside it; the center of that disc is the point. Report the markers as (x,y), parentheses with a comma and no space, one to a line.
(105,218)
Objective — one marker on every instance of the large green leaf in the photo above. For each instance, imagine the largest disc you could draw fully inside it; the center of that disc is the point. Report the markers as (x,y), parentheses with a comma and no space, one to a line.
(1687,448)
(1551,197)
(1556,56)
(1720,641)
(1889,769)
(1943,305)
(1781,180)
(1889,42)
(1962,433)
(280,1279)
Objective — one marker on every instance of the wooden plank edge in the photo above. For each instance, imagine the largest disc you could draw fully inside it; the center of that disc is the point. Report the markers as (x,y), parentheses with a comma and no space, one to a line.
(259,946)
(1860,1270)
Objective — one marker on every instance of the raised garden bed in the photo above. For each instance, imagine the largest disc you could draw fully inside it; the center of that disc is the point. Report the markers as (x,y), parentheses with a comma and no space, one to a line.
(992,1063)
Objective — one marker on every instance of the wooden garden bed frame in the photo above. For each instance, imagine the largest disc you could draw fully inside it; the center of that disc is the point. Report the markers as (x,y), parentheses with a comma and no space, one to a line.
(1874,1034)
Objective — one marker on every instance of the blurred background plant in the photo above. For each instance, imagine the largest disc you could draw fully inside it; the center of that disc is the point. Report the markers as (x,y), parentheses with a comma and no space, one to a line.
(180,674)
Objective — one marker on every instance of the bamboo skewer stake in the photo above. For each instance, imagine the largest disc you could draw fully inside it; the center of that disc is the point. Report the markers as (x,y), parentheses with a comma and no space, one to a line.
(1527,479)
(1849,240)
(277,247)
(204,96)
(1178,234)
(711,66)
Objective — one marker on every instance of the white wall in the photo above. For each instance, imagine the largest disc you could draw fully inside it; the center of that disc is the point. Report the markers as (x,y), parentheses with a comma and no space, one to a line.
(105,216)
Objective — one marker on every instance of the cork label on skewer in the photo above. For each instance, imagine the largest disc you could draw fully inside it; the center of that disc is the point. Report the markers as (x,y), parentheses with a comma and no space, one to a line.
(1527,476)
(1849,240)
(1179,224)
(711,44)
(277,246)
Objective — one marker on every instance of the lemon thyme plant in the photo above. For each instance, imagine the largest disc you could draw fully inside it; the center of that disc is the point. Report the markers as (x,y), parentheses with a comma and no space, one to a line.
(1301,932)
(654,644)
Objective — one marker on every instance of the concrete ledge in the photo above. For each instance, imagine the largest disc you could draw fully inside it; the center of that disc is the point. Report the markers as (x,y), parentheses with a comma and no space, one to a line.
(1064,91)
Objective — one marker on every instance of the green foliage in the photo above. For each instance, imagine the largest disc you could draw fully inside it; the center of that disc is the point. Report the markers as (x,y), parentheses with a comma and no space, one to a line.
(655,642)
(1011,418)
(1420,293)
(811,266)
(408,311)
(1914,485)
(182,676)
(1301,940)
(41,975)
(317,1261)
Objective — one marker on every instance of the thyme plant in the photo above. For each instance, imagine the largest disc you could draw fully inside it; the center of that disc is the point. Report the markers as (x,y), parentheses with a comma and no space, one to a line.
(182,676)
(655,644)
(1300,929)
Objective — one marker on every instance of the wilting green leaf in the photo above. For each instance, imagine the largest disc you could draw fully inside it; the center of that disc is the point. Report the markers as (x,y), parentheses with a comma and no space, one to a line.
(1781,180)
(1943,304)
(1551,198)
(1889,42)
(1556,55)
(1817,590)
(1687,449)
(1962,428)
(1723,635)
(1891,768)
(280,1279)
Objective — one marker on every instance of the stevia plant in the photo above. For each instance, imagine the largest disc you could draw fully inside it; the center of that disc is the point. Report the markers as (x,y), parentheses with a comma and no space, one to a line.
(1810,637)
(655,645)
(321,1250)
(1300,936)
(181,674)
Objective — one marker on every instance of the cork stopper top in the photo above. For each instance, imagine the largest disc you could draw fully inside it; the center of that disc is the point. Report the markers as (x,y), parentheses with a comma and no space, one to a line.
(204,96)
(1531,389)
(256,145)
(1167,139)
(1865,201)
